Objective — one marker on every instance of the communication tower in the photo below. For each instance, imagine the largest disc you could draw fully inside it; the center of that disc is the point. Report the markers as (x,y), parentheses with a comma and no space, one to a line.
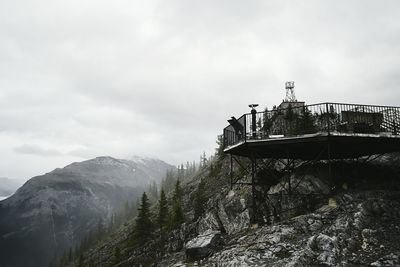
(290,96)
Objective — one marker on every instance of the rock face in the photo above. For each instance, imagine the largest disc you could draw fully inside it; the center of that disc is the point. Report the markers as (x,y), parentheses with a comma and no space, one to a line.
(361,230)
(53,212)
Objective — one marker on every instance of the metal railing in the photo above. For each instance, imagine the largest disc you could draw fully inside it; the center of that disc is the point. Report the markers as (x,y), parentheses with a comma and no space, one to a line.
(293,119)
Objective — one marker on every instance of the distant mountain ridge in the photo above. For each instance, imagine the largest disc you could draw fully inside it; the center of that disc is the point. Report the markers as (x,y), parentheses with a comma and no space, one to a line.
(53,212)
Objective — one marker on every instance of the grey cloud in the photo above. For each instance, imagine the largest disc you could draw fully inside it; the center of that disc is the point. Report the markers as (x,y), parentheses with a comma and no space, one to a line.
(37,150)
(160,78)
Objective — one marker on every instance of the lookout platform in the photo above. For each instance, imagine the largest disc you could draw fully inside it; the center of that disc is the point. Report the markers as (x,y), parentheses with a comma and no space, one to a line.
(320,131)
(295,135)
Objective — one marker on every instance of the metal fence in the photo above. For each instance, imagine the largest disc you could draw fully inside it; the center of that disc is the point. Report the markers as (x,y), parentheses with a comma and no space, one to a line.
(293,119)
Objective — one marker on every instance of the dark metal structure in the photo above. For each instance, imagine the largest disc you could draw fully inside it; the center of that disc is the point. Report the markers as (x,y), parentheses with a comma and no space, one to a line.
(296,134)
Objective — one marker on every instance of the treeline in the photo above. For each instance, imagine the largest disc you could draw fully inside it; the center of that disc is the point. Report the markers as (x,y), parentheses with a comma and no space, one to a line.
(169,216)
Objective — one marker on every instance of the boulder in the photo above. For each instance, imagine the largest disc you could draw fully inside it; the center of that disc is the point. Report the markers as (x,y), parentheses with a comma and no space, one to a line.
(325,247)
(202,245)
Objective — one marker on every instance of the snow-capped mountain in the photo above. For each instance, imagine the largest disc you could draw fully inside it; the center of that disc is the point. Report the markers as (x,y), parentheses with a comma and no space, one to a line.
(53,212)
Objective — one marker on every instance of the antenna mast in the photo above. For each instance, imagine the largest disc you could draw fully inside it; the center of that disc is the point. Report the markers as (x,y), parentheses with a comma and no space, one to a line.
(290,96)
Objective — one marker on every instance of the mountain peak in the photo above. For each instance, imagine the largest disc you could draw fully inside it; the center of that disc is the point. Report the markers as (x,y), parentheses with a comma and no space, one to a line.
(64,205)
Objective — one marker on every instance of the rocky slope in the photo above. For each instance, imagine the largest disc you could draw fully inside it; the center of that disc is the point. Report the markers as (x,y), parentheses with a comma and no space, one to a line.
(350,220)
(53,212)
(358,230)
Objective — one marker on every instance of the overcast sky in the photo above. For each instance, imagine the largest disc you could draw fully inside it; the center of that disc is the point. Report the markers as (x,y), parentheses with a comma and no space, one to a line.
(80,79)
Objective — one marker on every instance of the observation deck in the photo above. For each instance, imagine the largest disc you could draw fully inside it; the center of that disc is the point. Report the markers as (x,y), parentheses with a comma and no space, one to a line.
(322,131)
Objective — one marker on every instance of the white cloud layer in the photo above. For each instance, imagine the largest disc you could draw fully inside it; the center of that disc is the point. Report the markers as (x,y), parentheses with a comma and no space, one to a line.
(79,79)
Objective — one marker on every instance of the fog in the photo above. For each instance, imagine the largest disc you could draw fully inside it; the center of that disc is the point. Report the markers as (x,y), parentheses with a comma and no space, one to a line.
(81,79)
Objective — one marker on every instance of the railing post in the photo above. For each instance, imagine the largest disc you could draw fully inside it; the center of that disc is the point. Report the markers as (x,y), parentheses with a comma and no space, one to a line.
(245,128)
(394,121)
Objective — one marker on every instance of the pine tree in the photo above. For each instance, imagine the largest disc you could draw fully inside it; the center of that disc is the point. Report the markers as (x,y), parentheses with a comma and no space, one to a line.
(199,200)
(194,167)
(169,181)
(187,170)
(162,215)
(181,172)
(144,226)
(220,149)
(178,191)
(153,191)
(177,211)
(203,160)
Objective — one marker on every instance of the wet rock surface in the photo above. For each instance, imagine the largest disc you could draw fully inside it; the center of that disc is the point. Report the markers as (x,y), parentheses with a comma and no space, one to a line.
(202,245)
(355,233)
